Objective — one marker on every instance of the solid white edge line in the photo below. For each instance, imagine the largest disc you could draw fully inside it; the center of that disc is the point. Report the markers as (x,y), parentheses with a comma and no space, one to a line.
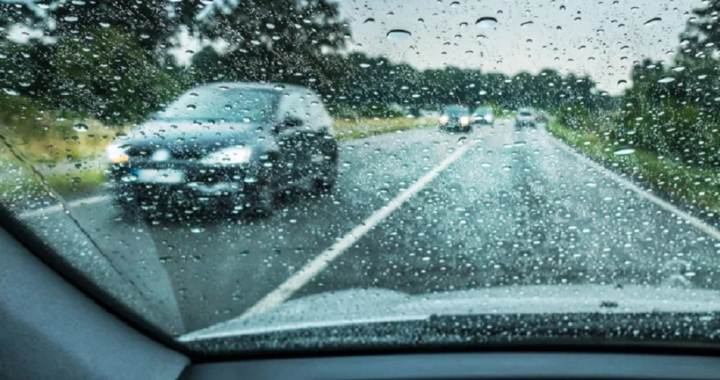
(695,222)
(320,262)
(56,208)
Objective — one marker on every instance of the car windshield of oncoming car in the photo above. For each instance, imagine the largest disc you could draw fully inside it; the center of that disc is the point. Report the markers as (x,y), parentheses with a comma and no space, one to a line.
(220,103)
(245,175)
(455,111)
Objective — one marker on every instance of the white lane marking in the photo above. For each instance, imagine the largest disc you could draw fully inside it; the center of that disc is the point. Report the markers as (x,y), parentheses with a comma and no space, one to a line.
(695,222)
(56,208)
(320,262)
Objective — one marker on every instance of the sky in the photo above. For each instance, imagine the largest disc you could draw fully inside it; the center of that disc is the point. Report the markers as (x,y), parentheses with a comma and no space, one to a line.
(601,38)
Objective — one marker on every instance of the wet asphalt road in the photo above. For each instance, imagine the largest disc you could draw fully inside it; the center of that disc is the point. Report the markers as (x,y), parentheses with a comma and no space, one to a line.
(512,210)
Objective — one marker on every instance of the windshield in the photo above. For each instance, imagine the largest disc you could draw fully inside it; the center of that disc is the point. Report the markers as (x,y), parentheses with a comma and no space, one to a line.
(454,111)
(221,103)
(292,175)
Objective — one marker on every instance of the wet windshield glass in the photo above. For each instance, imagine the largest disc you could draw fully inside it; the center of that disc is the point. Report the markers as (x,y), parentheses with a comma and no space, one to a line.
(454,111)
(299,174)
(222,104)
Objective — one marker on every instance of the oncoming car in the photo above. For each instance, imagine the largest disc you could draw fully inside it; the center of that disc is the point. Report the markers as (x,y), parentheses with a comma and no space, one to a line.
(229,145)
(525,118)
(455,118)
(483,116)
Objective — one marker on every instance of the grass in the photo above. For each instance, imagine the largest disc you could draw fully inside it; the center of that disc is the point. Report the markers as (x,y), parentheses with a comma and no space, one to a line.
(60,142)
(71,182)
(346,129)
(697,186)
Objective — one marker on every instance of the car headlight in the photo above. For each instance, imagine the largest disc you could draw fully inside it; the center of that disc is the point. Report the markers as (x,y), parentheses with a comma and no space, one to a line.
(228,156)
(117,154)
(444,119)
(464,120)
(488,118)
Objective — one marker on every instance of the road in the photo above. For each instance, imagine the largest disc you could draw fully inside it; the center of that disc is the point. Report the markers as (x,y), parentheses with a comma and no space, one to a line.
(416,212)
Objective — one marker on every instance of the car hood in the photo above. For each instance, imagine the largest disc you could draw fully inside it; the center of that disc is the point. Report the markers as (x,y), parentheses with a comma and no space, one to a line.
(364,306)
(188,134)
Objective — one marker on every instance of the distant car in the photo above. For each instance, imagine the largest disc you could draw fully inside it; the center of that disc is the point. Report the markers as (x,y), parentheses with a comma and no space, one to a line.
(525,118)
(455,118)
(232,145)
(483,116)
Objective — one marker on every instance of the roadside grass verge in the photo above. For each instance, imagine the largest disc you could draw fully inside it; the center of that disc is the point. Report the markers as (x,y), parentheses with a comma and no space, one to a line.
(67,184)
(697,186)
(346,128)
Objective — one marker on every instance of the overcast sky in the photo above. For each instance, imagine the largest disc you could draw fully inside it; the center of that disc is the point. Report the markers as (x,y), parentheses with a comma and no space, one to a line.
(599,37)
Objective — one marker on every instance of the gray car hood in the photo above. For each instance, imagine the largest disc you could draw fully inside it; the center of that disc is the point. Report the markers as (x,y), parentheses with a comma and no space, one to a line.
(362,306)
(184,132)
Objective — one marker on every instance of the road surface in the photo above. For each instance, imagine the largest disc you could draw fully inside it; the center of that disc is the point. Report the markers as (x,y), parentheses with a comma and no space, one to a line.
(416,212)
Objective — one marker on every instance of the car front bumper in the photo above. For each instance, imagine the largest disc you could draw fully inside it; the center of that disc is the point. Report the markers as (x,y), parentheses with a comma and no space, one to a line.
(185,186)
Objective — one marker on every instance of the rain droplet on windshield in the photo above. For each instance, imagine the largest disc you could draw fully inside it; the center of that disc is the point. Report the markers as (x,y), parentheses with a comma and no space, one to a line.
(81,128)
(398,34)
(624,151)
(486,22)
(369,21)
(652,21)
(666,79)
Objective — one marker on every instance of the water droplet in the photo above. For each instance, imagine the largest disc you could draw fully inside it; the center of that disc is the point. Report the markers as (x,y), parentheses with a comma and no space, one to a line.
(197,230)
(652,21)
(624,151)
(369,21)
(591,185)
(526,23)
(506,168)
(81,128)
(461,140)
(250,179)
(454,4)
(364,65)
(270,26)
(666,79)
(622,82)
(70,18)
(678,69)
(398,34)
(486,22)
(104,25)
(279,87)
(10,92)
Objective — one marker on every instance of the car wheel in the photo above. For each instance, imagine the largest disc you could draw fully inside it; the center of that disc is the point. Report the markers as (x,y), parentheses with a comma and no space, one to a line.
(326,183)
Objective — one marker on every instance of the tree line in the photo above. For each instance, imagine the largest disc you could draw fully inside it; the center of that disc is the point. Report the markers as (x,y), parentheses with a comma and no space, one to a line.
(112,60)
